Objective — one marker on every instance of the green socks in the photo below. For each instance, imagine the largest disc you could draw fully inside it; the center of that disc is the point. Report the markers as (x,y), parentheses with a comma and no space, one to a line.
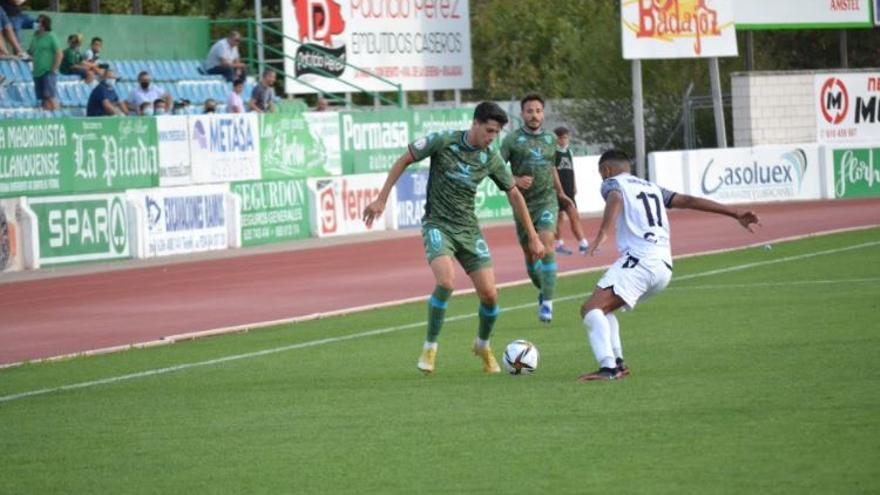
(548,276)
(488,316)
(437,311)
(534,270)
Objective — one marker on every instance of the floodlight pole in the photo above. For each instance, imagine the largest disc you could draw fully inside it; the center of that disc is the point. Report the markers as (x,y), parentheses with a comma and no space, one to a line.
(717,102)
(639,117)
(261,55)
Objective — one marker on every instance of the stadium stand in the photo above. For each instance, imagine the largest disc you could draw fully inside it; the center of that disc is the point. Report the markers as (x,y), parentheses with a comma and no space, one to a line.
(182,78)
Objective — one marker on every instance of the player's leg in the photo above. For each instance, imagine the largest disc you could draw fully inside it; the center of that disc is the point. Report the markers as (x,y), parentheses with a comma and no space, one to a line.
(438,250)
(477,263)
(574,221)
(545,224)
(560,242)
(616,344)
(595,314)
(533,266)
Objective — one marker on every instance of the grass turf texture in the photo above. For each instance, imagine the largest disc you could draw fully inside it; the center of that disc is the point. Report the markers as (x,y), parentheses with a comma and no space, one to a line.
(759,380)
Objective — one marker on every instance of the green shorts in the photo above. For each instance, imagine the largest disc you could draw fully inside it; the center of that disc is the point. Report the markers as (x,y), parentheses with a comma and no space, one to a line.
(543,218)
(468,247)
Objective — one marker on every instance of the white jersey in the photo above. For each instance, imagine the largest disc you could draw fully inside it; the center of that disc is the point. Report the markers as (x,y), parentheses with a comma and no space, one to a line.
(643,226)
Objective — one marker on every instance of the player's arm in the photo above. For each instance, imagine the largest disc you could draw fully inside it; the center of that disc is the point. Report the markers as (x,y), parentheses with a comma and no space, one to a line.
(375,209)
(746,218)
(613,207)
(521,211)
(521,181)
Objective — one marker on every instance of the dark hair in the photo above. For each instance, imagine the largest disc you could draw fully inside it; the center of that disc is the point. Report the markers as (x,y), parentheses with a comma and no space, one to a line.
(614,155)
(159,100)
(238,82)
(487,111)
(72,37)
(531,97)
(46,21)
(99,40)
(561,131)
(143,73)
(268,71)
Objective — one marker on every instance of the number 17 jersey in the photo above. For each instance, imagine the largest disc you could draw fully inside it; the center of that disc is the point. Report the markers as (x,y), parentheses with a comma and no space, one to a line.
(643,225)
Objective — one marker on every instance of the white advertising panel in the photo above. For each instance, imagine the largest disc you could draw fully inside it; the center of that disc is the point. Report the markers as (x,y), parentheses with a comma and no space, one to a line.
(589,184)
(419,44)
(11,258)
(174,156)
(677,29)
(801,14)
(847,107)
(743,175)
(183,220)
(337,204)
(224,147)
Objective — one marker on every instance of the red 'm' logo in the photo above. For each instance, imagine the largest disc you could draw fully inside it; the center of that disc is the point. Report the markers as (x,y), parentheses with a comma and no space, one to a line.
(833,100)
(319,20)
(328,210)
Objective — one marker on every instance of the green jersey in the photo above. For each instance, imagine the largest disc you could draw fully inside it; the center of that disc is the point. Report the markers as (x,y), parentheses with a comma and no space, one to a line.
(43,48)
(69,58)
(456,170)
(533,155)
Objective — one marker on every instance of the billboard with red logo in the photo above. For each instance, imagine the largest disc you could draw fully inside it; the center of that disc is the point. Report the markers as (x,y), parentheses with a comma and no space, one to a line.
(847,107)
(677,29)
(422,45)
(337,204)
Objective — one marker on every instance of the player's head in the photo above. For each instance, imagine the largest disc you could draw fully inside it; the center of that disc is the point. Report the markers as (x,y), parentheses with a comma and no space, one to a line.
(532,108)
(614,162)
(97,43)
(563,136)
(489,118)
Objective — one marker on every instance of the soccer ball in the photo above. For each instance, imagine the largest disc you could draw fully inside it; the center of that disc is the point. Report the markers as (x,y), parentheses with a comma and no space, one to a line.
(521,357)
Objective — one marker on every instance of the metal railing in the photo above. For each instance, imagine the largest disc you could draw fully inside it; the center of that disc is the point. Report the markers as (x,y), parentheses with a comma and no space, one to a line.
(250,39)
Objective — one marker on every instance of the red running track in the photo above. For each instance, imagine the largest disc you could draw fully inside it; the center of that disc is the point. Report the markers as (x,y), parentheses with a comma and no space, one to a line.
(51,317)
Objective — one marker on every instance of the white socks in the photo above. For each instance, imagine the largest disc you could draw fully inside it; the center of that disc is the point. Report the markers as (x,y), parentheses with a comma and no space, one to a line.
(599,332)
(429,345)
(584,244)
(481,344)
(615,335)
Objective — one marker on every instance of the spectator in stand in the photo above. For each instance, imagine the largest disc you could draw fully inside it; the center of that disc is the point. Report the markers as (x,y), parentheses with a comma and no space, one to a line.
(104,102)
(263,95)
(323,105)
(146,109)
(92,56)
(160,107)
(72,60)
(146,91)
(234,103)
(224,60)
(10,32)
(19,20)
(46,52)
(210,105)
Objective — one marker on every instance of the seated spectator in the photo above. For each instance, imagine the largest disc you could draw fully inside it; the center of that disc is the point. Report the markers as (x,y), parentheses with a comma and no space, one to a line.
(46,52)
(210,105)
(180,107)
(234,103)
(104,101)
(160,107)
(263,96)
(224,60)
(10,33)
(92,57)
(19,19)
(72,60)
(146,109)
(323,105)
(146,91)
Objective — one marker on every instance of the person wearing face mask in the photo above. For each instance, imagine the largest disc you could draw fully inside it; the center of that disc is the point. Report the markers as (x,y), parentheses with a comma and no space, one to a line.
(46,52)
(160,107)
(104,102)
(146,91)
(146,109)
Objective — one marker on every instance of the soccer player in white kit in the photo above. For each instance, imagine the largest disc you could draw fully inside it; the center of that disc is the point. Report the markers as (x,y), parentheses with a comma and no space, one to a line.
(645,265)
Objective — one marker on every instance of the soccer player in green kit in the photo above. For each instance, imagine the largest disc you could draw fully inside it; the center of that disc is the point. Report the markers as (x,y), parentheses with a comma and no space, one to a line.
(531,151)
(460,160)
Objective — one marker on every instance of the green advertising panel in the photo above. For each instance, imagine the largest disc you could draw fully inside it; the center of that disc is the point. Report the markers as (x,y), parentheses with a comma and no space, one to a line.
(81,228)
(491,203)
(273,210)
(373,141)
(856,172)
(289,148)
(60,156)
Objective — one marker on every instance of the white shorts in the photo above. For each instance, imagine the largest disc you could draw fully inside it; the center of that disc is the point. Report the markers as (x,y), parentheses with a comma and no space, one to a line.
(635,280)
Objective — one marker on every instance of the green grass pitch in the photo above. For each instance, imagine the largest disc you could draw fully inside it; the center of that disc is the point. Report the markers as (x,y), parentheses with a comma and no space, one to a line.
(758,380)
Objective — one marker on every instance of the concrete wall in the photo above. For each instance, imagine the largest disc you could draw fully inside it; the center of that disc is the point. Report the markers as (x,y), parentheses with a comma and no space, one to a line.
(773,108)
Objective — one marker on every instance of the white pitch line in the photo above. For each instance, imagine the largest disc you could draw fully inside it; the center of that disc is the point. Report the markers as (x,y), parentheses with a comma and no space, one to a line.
(381,331)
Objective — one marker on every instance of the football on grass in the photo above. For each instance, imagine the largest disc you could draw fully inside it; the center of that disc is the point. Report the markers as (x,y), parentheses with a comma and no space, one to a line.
(521,357)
